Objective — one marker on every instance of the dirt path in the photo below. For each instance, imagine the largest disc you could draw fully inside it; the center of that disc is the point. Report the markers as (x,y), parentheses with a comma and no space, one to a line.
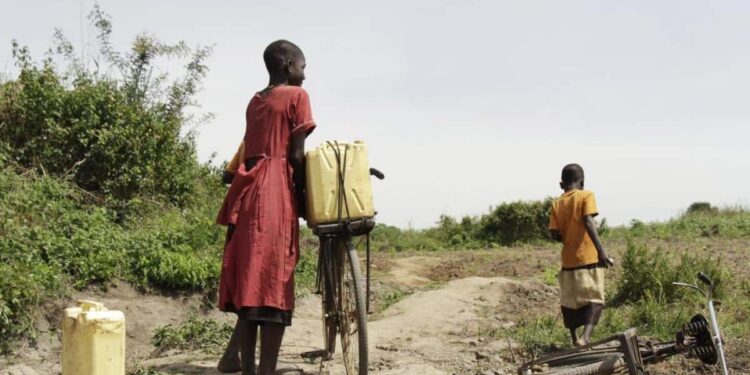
(440,326)
(428,332)
(435,330)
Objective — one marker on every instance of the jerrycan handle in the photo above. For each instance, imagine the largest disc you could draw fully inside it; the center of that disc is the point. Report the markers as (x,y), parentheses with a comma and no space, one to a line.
(89,305)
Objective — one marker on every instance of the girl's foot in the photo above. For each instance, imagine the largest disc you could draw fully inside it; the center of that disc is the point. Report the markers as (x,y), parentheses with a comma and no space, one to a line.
(230,364)
(581,342)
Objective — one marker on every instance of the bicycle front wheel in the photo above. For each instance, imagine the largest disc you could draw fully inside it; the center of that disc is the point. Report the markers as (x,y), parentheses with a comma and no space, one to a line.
(352,312)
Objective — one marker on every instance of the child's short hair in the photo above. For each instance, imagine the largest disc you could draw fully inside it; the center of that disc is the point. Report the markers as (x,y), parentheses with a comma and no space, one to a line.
(278,53)
(572,173)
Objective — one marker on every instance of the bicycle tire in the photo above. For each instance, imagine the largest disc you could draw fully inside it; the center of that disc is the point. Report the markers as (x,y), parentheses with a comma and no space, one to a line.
(584,364)
(327,299)
(352,314)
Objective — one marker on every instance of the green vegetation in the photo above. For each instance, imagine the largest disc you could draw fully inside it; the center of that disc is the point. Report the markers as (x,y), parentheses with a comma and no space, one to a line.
(195,334)
(54,237)
(507,224)
(700,220)
(120,137)
(542,335)
(644,297)
(99,178)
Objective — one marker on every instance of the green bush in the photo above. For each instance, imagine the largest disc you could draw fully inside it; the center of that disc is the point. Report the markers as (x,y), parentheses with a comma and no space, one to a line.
(516,222)
(648,272)
(121,137)
(24,287)
(389,238)
(52,236)
(700,208)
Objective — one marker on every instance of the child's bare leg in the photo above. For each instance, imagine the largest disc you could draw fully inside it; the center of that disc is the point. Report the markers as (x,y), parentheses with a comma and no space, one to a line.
(230,361)
(574,336)
(596,313)
(587,331)
(270,343)
(248,337)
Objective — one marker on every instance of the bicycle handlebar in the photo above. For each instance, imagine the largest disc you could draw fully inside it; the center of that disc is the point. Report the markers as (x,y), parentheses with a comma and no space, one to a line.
(377,174)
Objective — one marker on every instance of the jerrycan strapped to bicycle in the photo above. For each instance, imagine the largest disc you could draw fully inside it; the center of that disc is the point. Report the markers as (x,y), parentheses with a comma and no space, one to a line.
(338,183)
(339,208)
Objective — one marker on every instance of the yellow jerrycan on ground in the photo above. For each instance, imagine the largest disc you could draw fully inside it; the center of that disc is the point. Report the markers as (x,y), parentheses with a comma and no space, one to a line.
(93,340)
(326,166)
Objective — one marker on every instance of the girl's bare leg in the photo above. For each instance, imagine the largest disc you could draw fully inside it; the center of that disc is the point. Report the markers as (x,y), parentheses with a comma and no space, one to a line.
(248,338)
(270,343)
(230,361)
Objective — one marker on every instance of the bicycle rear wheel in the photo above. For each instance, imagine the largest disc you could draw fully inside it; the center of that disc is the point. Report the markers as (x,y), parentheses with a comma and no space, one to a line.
(352,311)
(328,269)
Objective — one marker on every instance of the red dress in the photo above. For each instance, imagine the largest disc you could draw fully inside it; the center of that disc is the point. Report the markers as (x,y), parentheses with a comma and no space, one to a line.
(259,260)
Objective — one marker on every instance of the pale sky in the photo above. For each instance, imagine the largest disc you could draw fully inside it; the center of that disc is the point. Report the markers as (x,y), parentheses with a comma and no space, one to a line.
(466,104)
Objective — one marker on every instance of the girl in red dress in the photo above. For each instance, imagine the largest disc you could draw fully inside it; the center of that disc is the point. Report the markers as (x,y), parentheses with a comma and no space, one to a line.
(262,247)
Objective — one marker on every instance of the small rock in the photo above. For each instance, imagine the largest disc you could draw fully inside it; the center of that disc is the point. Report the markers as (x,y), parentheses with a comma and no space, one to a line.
(480,356)
(389,348)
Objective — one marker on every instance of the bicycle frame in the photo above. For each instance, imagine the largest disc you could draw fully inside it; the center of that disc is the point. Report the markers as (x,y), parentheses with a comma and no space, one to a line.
(708,293)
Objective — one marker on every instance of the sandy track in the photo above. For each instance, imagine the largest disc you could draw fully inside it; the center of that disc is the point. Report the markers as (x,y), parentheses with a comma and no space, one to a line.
(428,332)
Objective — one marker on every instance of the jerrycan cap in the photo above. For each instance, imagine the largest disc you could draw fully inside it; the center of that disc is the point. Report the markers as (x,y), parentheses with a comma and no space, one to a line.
(89,305)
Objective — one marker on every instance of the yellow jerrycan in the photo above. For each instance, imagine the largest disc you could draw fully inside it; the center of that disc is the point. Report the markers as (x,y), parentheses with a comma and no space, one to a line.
(93,340)
(326,166)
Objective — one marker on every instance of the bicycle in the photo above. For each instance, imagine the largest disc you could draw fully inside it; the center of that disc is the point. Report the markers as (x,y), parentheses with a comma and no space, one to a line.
(344,295)
(626,354)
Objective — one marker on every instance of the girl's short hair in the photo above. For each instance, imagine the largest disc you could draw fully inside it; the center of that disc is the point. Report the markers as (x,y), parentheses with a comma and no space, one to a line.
(278,53)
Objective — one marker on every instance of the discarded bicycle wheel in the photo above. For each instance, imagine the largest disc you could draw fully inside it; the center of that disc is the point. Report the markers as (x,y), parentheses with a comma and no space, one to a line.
(584,363)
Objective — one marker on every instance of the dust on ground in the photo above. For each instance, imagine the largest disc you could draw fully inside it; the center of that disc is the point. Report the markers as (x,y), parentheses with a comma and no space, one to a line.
(436,323)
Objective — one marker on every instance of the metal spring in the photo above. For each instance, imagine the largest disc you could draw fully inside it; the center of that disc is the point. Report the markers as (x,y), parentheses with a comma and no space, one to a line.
(703,352)
(695,328)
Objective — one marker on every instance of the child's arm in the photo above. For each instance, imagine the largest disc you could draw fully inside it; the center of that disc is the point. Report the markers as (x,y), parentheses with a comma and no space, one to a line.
(555,235)
(590,224)
(297,159)
(233,164)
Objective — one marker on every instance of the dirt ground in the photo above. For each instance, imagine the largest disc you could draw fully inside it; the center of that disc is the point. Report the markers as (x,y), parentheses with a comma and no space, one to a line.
(434,310)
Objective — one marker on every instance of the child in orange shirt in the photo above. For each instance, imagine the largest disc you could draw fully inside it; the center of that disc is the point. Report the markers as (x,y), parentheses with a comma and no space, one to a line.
(583,256)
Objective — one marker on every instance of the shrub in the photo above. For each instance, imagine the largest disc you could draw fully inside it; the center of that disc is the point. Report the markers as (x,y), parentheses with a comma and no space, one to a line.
(118,137)
(515,222)
(700,207)
(390,238)
(651,273)
(52,237)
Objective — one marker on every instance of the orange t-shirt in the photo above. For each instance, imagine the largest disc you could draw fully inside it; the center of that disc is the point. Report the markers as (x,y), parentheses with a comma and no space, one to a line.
(235,162)
(567,217)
